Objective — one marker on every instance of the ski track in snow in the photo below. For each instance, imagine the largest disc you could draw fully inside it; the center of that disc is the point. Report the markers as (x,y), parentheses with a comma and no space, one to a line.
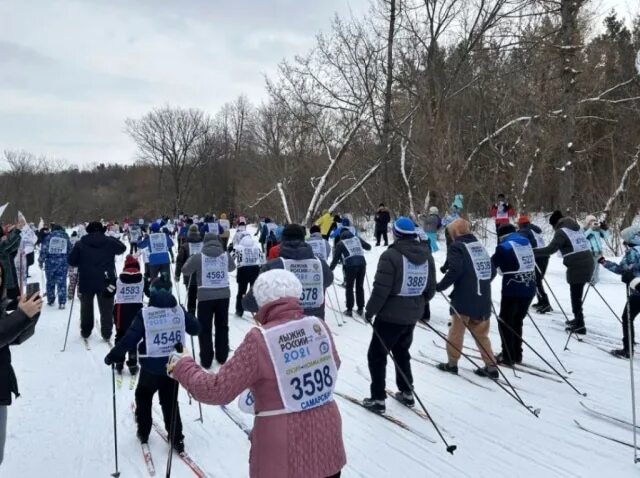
(62,424)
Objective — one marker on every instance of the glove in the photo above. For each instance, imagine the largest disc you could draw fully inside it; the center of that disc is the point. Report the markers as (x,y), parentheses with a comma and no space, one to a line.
(174,358)
(368,317)
(628,276)
(601,260)
(110,359)
(444,269)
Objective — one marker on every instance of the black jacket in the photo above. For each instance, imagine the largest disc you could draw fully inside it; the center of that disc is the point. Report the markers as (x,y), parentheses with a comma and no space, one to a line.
(579,265)
(94,256)
(15,328)
(183,255)
(341,254)
(385,303)
(297,251)
(382,219)
(462,276)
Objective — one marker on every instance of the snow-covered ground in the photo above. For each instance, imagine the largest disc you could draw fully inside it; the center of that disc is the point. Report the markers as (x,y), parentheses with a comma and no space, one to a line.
(62,424)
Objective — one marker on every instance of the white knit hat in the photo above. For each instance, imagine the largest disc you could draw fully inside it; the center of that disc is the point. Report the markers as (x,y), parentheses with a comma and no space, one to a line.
(276,284)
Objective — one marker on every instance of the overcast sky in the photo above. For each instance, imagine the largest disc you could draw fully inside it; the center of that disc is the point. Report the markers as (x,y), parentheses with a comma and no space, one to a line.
(71,71)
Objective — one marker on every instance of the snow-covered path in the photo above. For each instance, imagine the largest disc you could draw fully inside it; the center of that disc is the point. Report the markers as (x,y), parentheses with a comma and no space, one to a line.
(62,425)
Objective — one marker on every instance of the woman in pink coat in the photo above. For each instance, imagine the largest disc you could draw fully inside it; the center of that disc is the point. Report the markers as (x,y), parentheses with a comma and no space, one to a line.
(300,435)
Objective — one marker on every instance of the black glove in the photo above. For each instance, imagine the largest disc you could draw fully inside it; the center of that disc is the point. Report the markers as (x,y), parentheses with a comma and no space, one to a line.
(444,269)
(368,317)
(628,276)
(109,359)
(601,260)
(603,226)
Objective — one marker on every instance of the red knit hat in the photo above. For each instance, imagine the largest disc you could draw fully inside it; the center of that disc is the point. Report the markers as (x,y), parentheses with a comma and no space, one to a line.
(131,264)
(523,219)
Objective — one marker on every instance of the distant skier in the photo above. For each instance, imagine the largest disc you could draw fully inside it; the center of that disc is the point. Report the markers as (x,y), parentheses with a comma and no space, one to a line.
(319,244)
(534,234)
(191,246)
(502,211)
(160,248)
(350,252)
(53,258)
(596,233)
(382,220)
(249,259)
(431,224)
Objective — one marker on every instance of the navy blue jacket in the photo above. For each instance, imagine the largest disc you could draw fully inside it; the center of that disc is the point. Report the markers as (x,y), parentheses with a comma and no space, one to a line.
(136,335)
(340,253)
(462,276)
(513,285)
(94,256)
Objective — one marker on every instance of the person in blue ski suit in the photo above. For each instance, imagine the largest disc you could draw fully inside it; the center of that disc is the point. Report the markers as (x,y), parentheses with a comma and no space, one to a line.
(53,259)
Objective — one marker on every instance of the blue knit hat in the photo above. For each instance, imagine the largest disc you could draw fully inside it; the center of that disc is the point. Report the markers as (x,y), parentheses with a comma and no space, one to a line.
(155,227)
(346,222)
(404,227)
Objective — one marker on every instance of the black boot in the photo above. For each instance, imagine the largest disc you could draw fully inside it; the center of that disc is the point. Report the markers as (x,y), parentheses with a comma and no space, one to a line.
(620,353)
(445,367)
(376,406)
(577,326)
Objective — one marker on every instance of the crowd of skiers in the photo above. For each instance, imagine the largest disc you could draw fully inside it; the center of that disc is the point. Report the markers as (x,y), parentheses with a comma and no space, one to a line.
(283,278)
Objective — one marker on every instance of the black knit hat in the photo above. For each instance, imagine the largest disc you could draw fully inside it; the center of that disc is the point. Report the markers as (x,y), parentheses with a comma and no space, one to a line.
(506,229)
(555,217)
(293,232)
(94,226)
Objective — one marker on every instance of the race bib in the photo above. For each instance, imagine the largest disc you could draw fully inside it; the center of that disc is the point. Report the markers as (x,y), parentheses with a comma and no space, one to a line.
(302,357)
(57,245)
(144,253)
(246,402)
(309,273)
(195,248)
(319,248)
(502,215)
(249,256)
(158,243)
(539,240)
(579,242)
(215,271)
(134,235)
(164,328)
(225,224)
(480,259)
(354,247)
(414,278)
(421,235)
(525,257)
(129,293)
(213,227)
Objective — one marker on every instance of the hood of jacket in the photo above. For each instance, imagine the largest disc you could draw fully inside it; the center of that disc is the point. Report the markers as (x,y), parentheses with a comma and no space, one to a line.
(162,300)
(194,236)
(417,252)
(94,240)
(569,223)
(296,250)
(211,245)
(59,233)
(247,241)
(346,233)
(287,308)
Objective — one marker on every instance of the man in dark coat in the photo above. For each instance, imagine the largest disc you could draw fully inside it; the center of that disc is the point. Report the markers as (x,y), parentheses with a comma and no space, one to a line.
(382,220)
(576,253)
(349,251)
(94,256)
(404,281)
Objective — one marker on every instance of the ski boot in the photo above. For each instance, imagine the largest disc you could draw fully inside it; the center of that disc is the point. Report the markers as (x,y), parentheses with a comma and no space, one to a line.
(576,326)
(406,398)
(375,406)
(61,306)
(348,313)
(620,353)
(489,371)
(502,359)
(544,309)
(445,367)
(178,445)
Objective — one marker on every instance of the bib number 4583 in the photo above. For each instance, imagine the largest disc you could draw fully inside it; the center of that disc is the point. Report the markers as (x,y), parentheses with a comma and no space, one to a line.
(165,338)
(312,382)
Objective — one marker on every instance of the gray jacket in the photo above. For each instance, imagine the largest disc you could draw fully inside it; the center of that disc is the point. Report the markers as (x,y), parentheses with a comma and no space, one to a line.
(211,247)
(385,303)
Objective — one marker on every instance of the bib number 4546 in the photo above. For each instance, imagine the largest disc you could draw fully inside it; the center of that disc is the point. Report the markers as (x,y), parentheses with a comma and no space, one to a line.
(165,338)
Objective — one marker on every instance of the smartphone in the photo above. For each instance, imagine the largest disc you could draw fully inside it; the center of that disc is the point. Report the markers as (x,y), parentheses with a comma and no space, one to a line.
(32,289)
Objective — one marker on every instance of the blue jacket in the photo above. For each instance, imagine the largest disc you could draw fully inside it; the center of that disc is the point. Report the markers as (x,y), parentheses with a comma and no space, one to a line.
(462,276)
(158,258)
(595,239)
(513,285)
(54,262)
(265,236)
(136,335)
(629,262)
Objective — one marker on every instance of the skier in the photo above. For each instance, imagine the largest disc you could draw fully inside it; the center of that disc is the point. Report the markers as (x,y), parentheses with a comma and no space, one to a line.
(297,256)
(536,239)
(404,281)
(134,234)
(225,225)
(455,211)
(350,252)
(268,235)
(431,225)
(320,245)
(241,232)
(382,220)
(515,260)
(53,258)
(160,248)
(249,258)
(470,271)
(211,267)
(156,330)
(629,268)
(294,434)
(9,245)
(502,211)
(325,222)
(192,245)
(128,302)
(596,232)
(574,247)
(345,223)
(72,272)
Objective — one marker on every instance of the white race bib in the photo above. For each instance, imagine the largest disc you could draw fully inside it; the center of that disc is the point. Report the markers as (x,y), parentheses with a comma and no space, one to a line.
(539,240)
(480,259)
(213,227)
(215,271)
(195,248)
(302,357)
(319,248)
(225,224)
(57,245)
(414,278)
(502,215)
(246,402)
(354,247)
(144,253)
(158,243)
(163,329)
(525,257)
(579,242)
(249,256)
(309,272)
(134,235)
(129,293)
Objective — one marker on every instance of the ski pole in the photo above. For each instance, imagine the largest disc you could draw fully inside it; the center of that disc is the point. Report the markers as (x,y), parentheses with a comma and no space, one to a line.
(115,474)
(552,293)
(486,352)
(66,335)
(193,352)
(503,341)
(340,324)
(335,293)
(174,418)
(463,354)
(632,377)
(366,276)
(450,448)
(606,303)
(548,344)
(541,357)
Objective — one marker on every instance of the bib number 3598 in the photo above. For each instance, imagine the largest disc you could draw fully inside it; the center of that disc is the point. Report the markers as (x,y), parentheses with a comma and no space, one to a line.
(311,382)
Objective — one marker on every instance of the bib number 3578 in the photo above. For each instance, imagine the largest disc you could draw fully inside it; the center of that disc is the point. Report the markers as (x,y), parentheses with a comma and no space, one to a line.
(311,382)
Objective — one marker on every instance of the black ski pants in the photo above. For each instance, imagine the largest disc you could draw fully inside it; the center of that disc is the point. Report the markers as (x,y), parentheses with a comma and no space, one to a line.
(398,339)
(382,234)
(246,276)
(354,277)
(577,290)
(513,310)
(542,263)
(105,306)
(631,311)
(192,294)
(167,388)
(213,313)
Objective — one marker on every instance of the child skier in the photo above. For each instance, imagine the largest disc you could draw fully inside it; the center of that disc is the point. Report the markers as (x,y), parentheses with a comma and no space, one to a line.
(595,232)
(53,258)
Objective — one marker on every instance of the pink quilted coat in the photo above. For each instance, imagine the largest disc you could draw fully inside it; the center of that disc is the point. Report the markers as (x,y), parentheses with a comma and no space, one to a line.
(296,445)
